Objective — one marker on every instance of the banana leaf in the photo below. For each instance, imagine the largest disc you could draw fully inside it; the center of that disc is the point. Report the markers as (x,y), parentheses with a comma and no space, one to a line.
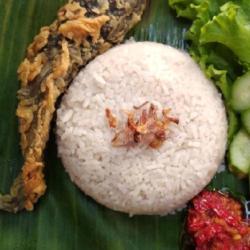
(65,218)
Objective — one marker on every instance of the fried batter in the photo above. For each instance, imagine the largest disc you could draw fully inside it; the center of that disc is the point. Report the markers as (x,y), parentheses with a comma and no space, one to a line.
(82,30)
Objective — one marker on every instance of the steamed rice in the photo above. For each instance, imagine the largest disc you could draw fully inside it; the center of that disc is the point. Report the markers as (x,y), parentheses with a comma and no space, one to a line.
(141,180)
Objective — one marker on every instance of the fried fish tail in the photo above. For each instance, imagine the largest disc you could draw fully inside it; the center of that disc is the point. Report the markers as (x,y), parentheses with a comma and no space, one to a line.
(83,29)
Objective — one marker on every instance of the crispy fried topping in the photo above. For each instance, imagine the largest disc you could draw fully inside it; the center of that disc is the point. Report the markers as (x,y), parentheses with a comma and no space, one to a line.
(28,71)
(61,65)
(33,176)
(143,126)
(32,173)
(79,29)
(112,121)
(71,11)
(39,42)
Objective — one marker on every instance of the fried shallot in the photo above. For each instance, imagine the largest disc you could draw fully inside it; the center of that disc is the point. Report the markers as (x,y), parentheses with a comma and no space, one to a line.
(143,126)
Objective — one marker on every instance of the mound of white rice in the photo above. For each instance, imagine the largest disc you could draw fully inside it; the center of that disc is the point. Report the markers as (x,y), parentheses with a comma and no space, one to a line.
(142,180)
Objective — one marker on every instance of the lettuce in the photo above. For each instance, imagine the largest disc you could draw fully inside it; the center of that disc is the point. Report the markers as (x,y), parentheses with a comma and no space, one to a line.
(219,40)
(193,9)
(231,27)
(185,8)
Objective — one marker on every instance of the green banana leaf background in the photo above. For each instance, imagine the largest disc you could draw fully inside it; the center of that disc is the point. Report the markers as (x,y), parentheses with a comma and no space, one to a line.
(65,219)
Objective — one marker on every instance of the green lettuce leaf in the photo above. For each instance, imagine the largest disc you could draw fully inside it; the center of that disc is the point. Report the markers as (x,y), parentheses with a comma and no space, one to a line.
(232,29)
(219,39)
(215,60)
(185,8)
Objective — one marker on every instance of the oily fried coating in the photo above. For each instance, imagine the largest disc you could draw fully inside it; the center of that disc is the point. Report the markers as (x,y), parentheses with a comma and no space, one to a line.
(80,28)
(39,42)
(83,29)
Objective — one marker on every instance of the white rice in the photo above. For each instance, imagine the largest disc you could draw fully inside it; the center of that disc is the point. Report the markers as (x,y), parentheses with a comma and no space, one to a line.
(142,180)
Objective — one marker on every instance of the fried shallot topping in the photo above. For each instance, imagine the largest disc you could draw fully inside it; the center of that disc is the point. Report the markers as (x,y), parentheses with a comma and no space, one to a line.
(111,119)
(143,126)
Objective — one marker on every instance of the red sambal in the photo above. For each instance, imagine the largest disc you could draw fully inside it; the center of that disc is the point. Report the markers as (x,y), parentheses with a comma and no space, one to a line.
(216,222)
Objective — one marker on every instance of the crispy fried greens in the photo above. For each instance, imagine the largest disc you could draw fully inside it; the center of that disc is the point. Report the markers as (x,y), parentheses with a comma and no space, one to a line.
(83,29)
